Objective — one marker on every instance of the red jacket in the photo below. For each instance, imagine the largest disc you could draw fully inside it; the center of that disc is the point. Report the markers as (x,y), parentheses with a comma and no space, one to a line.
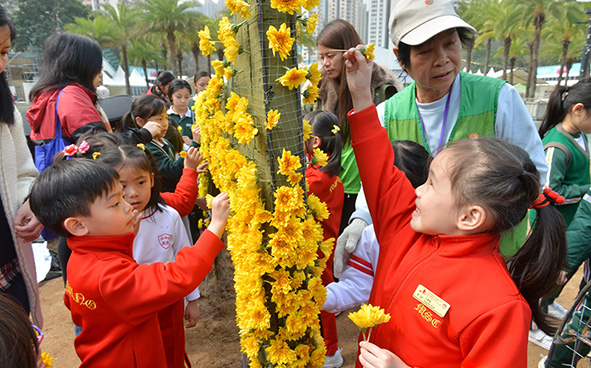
(116,301)
(184,195)
(330,191)
(76,110)
(487,322)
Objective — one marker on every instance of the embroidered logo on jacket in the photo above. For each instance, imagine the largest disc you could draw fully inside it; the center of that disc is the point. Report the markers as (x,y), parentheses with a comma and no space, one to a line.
(427,315)
(164,240)
(79,298)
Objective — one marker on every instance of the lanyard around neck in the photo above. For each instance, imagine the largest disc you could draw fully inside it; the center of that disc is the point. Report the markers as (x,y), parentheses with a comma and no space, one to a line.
(438,148)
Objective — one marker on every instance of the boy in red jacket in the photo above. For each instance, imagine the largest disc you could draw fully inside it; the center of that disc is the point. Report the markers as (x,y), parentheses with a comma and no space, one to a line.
(111,297)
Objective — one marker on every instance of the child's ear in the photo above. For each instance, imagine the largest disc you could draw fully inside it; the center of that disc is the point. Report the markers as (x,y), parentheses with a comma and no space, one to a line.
(75,226)
(139,121)
(316,142)
(151,180)
(473,219)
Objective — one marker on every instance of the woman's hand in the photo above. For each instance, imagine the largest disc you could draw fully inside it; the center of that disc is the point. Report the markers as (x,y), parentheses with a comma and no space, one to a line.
(372,356)
(358,71)
(26,225)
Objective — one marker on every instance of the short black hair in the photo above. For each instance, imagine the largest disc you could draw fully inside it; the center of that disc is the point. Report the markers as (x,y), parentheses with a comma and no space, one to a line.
(68,188)
(176,85)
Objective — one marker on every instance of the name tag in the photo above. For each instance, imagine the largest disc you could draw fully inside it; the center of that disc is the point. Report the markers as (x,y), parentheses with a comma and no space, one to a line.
(431,301)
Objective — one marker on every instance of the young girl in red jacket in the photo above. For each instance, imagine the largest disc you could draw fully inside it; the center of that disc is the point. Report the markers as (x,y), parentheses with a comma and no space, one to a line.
(453,299)
(324,182)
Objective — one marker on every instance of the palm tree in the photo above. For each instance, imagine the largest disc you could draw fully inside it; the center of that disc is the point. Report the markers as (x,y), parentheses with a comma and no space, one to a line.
(507,27)
(142,50)
(518,50)
(168,17)
(196,24)
(123,21)
(469,11)
(99,29)
(487,24)
(562,31)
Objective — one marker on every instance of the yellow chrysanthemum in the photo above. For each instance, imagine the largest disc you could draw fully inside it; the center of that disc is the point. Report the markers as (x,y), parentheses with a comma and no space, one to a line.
(320,157)
(293,78)
(286,6)
(232,50)
(206,45)
(238,7)
(272,119)
(368,50)
(307,128)
(369,316)
(47,360)
(288,163)
(318,208)
(287,199)
(310,95)
(218,67)
(183,154)
(245,130)
(314,74)
(309,4)
(311,23)
(280,40)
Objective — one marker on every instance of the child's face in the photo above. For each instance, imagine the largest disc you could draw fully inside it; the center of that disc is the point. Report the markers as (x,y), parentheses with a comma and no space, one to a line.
(201,84)
(436,211)
(110,215)
(180,99)
(161,119)
(137,186)
(5,45)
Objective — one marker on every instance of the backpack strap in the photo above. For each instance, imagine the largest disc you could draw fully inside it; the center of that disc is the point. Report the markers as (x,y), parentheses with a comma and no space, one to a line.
(561,147)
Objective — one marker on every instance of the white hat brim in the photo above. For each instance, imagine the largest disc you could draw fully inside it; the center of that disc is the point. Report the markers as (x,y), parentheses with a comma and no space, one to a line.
(433,27)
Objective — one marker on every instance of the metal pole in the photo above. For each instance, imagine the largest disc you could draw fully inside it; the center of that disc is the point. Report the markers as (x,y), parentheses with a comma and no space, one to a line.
(586,49)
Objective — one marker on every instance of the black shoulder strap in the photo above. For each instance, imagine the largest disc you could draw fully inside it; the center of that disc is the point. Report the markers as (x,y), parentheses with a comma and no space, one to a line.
(561,147)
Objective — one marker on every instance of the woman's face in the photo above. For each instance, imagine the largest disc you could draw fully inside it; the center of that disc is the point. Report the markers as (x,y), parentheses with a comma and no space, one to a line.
(201,84)
(5,45)
(98,80)
(435,64)
(332,61)
(164,88)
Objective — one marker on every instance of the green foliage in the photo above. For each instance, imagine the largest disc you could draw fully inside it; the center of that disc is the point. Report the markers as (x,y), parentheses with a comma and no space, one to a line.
(35,20)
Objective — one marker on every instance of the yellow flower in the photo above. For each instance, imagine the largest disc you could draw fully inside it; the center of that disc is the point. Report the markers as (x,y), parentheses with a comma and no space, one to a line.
(318,208)
(95,155)
(368,316)
(288,163)
(245,130)
(286,6)
(206,45)
(232,50)
(293,78)
(279,352)
(141,146)
(311,23)
(335,129)
(225,30)
(280,40)
(179,128)
(47,360)
(307,128)
(293,179)
(320,158)
(218,66)
(368,50)
(309,4)
(272,119)
(288,199)
(183,154)
(310,95)
(314,74)
(238,6)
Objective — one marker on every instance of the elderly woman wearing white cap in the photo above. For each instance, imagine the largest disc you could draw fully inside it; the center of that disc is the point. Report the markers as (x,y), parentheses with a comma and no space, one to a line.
(444,104)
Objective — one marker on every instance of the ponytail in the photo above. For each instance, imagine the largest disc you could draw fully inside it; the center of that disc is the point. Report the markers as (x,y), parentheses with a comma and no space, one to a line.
(325,126)
(562,100)
(536,267)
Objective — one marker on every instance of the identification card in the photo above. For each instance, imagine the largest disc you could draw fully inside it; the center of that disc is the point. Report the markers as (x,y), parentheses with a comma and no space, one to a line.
(431,301)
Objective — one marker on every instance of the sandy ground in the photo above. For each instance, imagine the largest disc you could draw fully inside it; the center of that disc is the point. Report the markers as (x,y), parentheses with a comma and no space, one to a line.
(214,342)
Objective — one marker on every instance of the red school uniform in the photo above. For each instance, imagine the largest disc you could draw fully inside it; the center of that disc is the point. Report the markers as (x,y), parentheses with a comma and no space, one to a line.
(116,301)
(329,190)
(451,298)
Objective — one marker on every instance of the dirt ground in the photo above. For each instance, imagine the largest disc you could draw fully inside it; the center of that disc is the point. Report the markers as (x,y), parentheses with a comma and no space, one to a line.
(214,342)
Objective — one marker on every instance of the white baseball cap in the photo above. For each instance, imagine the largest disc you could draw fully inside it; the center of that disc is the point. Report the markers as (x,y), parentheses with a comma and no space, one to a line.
(415,21)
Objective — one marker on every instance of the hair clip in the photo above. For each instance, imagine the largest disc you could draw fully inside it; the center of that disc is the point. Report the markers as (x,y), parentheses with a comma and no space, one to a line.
(84,147)
(180,129)
(142,146)
(545,198)
(563,95)
(335,129)
(95,155)
(70,150)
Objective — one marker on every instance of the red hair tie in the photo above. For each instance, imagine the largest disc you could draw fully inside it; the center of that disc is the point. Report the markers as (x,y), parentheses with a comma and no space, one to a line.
(545,198)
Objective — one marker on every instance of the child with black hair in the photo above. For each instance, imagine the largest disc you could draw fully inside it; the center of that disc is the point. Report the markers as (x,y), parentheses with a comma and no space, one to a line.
(356,281)
(324,182)
(148,108)
(160,87)
(439,247)
(180,113)
(113,299)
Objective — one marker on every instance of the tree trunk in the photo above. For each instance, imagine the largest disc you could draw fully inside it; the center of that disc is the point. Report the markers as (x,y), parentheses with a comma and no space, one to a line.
(529,73)
(171,44)
(513,60)
(195,52)
(569,64)
(145,67)
(565,44)
(469,49)
(487,60)
(209,64)
(538,22)
(126,70)
(164,56)
(179,57)
(506,49)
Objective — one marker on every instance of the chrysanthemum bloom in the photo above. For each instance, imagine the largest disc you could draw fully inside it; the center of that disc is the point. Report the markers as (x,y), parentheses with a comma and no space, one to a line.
(218,67)
(238,7)
(314,74)
(320,158)
(280,40)
(310,95)
(272,119)
(206,45)
(311,23)
(293,78)
(369,316)
(307,129)
(232,50)
(309,4)
(368,50)
(287,6)
(288,163)
(317,207)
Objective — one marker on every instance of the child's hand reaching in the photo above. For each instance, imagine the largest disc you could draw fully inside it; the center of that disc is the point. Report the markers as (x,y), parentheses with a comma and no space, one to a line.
(372,356)
(193,158)
(197,133)
(220,210)
(192,313)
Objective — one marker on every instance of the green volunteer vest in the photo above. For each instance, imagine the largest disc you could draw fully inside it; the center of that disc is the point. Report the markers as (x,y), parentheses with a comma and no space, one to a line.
(476,118)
